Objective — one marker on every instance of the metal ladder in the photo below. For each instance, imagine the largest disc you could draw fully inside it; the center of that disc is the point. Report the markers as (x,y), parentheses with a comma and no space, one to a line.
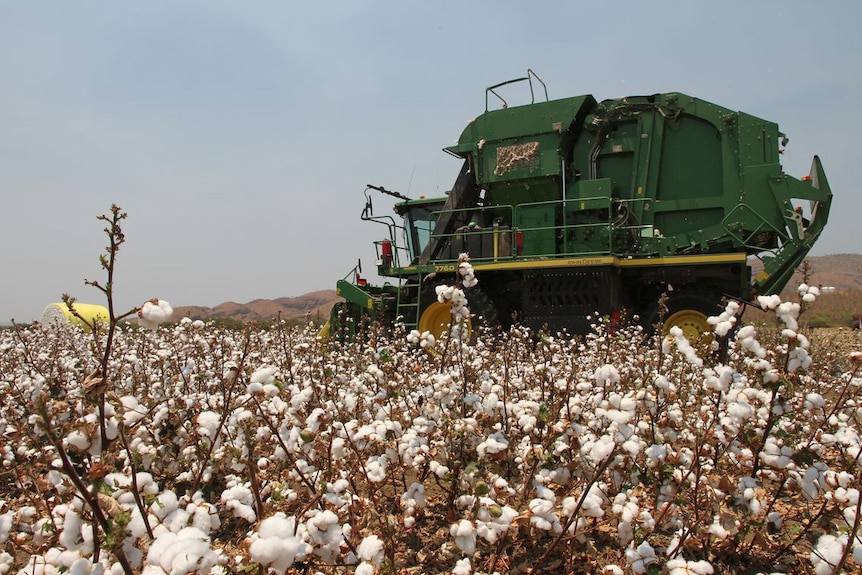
(408,302)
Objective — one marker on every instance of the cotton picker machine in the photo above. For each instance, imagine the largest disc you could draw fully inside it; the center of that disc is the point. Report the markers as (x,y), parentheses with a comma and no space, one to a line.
(575,206)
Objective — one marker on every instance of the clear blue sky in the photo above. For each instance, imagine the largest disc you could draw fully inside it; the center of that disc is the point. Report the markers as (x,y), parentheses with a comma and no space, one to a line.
(239,136)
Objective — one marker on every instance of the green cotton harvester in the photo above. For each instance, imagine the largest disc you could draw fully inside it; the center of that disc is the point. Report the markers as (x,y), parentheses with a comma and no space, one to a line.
(573,207)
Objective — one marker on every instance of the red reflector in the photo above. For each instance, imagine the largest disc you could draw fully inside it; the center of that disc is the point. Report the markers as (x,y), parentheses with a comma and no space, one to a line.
(361,282)
(614,324)
(386,252)
(806,178)
(519,238)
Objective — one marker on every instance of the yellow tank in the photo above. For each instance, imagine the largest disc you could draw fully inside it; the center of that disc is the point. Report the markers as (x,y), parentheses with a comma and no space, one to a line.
(57,314)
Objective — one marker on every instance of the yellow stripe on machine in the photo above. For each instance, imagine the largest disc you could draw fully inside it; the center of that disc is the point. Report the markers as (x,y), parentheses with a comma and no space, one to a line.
(612,261)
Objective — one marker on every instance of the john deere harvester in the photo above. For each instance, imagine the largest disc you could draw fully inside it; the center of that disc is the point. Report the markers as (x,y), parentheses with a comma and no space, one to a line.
(575,206)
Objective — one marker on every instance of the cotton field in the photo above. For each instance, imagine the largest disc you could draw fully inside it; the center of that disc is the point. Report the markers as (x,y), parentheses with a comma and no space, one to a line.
(194,449)
(186,448)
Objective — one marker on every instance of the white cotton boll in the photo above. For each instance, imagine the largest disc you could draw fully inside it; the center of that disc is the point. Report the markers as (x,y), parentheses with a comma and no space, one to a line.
(600,450)
(84,567)
(788,312)
(78,439)
(132,412)
(775,518)
(828,552)
(769,302)
(775,456)
(326,534)
(427,340)
(493,444)
(685,347)
(208,423)
(267,551)
(182,553)
(722,328)
(204,517)
(165,504)
(683,567)
(154,312)
(371,549)
(444,293)
(254,387)
(364,568)
(667,344)
(745,332)
(176,520)
(71,537)
(6,524)
(619,417)
(809,298)
(592,505)
(612,570)
(641,557)
(462,567)
(725,321)
(264,375)
(278,526)
(606,374)
(277,551)
(465,536)
(376,469)
(718,530)
(239,500)
(415,495)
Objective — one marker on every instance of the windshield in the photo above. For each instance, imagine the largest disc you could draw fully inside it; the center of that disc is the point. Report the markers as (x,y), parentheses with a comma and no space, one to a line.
(419,225)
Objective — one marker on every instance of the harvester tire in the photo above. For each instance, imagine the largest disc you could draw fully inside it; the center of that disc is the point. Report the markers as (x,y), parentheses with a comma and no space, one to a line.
(690,314)
(435,317)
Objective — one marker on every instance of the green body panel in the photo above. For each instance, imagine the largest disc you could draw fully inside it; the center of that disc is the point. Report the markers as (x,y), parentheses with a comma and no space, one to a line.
(609,204)
(673,174)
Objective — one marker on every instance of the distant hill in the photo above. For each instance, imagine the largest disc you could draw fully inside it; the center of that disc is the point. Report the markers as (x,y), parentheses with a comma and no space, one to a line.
(840,278)
(842,273)
(315,304)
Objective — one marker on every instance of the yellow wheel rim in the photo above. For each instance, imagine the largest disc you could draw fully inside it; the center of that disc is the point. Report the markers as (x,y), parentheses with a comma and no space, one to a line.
(437,320)
(692,323)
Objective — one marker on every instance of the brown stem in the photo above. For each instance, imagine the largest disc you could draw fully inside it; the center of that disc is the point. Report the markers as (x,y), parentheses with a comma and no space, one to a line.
(851,538)
(574,516)
(274,430)
(801,533)
(89,497)
(136,492)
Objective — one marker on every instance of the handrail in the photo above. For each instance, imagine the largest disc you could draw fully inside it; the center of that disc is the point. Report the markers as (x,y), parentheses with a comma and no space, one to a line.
(528,78)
